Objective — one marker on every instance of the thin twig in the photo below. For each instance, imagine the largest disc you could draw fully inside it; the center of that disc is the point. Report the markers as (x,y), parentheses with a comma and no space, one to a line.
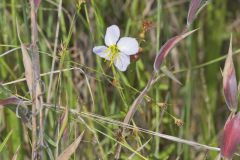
(139,149)
(107,120)
(133,109)
(9,51)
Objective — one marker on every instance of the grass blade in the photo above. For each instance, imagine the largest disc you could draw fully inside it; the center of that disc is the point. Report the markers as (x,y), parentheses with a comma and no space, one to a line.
(170,75)
(5,141)
(66,154)
(16,154)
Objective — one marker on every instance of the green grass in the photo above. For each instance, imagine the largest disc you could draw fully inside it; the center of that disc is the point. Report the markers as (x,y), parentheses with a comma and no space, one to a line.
(86,83)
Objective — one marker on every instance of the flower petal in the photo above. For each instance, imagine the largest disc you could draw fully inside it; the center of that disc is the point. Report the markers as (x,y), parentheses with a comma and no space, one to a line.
(101,51)
(128,45)
(112,35)
(122,61)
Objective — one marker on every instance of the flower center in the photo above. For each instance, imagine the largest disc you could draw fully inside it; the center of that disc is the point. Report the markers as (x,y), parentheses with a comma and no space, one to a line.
(112,53)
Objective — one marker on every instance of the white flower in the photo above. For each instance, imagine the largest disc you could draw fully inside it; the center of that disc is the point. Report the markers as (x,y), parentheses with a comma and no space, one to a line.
(117,51)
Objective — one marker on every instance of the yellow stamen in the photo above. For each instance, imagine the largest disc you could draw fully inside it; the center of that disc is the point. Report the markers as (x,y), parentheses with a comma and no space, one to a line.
(112,53)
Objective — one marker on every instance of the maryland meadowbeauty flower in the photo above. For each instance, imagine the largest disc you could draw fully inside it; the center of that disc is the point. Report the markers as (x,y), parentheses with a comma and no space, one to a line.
(117,51)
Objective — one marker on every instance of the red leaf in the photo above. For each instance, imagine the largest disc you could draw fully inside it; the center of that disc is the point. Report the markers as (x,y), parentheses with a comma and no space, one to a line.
(194,6)
(10,100)
(230,81)
(231,137)
(166,48)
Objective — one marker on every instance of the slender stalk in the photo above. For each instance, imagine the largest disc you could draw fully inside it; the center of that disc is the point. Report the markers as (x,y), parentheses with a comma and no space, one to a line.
(158,29)
(36,102)
(139,99)
(55,51)
(133,109)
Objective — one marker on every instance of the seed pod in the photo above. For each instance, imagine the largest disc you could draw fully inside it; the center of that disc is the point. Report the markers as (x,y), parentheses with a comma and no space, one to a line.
(230,81)
(166,48)
(231,137)
(193,8)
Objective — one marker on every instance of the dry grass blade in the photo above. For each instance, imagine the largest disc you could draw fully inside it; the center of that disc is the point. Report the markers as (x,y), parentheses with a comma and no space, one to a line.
(27,62)
(16,154)
(166,48)
(64,120)
(170,75)
(194,6)
(140,148)
(66,154)
(8,52)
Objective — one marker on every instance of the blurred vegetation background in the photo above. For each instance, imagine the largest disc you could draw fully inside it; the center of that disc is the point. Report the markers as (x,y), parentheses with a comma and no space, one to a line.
(87,86)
